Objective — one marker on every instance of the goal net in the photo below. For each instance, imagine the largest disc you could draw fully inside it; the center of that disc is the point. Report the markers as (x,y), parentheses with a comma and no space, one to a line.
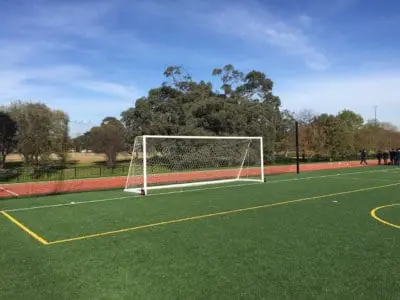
(160,162)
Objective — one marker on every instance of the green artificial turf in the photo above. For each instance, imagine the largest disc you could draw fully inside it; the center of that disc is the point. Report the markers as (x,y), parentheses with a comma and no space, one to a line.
(324,245)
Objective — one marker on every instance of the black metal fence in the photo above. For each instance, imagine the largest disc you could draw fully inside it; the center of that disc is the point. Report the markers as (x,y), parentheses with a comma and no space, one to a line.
(23,174)
(57,173)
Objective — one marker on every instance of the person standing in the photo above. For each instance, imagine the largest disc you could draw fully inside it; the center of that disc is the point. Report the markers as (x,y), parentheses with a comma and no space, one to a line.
(392,155)
(385,157)
(379,157)
(363,157)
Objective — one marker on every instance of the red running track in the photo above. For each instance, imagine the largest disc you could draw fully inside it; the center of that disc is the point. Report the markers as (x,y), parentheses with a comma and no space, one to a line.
(79,185)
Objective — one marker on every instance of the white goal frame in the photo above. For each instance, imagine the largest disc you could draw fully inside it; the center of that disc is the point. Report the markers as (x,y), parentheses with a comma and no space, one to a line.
(146,187)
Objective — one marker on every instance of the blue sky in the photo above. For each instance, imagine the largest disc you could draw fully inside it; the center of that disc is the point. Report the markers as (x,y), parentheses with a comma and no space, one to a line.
(95,58)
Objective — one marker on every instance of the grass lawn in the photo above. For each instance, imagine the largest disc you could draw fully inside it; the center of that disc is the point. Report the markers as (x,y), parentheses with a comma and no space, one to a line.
(310,236)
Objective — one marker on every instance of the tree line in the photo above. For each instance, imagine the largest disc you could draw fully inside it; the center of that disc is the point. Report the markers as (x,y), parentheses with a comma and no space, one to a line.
(344,135)
(239,104)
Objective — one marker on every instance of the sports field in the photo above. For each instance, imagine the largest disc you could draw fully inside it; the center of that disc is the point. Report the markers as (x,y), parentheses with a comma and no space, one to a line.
(317,235)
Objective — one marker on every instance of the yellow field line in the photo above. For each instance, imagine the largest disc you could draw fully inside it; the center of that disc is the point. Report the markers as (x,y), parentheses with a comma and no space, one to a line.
(228,212)
(24,228)
(373,214)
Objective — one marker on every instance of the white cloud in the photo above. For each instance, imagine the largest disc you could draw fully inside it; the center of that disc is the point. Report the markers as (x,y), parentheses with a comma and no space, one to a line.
(259,25)
(356,92)
(57,18)
(52,85)
(19,82)
(110,88)
(59,73)
(251,21)
(13,53)
(34,66)
(305,20)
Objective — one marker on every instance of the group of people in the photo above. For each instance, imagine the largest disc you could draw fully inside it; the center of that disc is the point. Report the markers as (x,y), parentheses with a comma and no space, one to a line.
(389,157)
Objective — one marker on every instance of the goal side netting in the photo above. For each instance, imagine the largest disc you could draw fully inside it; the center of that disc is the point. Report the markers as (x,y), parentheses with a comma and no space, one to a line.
(160,162)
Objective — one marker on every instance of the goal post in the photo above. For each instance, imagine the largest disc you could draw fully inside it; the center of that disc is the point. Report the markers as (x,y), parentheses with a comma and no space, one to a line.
(165,161)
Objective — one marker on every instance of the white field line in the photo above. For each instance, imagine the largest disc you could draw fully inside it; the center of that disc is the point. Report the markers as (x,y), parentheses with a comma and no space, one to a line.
(374,179)
(333,175)
(8,191)
(124,197)
(192,190)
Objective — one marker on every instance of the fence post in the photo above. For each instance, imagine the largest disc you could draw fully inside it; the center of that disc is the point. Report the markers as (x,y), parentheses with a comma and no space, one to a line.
(297,148)
(100,170)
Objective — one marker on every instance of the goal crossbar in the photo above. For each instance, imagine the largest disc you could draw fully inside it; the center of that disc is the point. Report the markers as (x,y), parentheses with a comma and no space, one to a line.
(201,137)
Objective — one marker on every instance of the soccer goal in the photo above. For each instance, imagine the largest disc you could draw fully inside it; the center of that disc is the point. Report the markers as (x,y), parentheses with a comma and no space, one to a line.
(160,162)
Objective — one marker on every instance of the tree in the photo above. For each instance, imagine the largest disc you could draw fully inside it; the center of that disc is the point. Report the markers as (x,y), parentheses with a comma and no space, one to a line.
(307,132)
(8,130)
(286,133)
(59,135)
(349,123)
(41,132)
(305,116)
(388,126)
(81,142)
(244,104)
(108,138)
(180,78)
(325,138)
(334,136)
(183,106)
(230,78)
(34,123)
